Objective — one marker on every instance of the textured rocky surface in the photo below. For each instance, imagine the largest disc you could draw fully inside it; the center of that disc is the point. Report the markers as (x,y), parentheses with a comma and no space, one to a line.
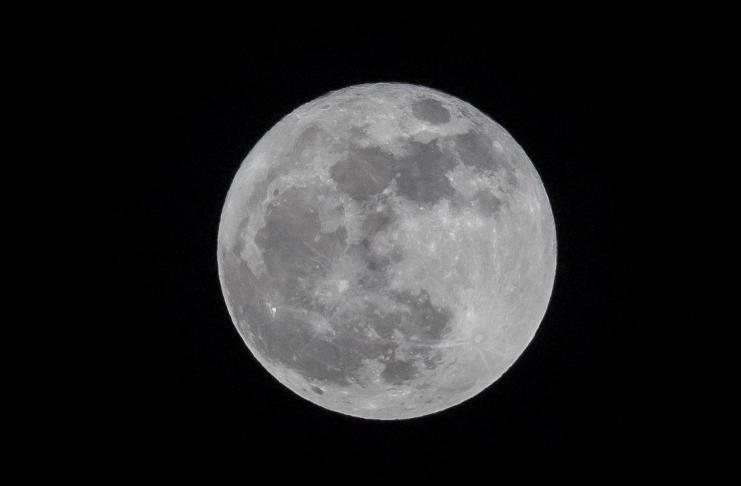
(387,251)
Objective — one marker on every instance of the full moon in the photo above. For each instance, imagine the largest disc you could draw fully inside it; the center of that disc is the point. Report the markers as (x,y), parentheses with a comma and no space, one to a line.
(387,251)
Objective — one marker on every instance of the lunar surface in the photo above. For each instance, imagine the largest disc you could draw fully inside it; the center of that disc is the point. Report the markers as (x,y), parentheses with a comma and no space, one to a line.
(387,251)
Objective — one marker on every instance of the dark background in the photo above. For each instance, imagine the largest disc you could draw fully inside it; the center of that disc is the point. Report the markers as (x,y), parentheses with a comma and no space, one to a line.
(164,373)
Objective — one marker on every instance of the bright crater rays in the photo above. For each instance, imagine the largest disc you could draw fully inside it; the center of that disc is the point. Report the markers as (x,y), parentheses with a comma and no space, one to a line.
(387,251)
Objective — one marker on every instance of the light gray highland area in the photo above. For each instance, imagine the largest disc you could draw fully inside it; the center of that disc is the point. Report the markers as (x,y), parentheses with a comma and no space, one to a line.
(387,251)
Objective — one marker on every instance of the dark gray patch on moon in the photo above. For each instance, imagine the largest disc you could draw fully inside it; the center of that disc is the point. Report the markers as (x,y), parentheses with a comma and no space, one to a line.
(487,202)
(420,175)
(323,360)
(364,173)
(375,222)
(425,322)
(397,372)
(431,111)
(476,150)
(421,323)
(295,252)
(423,173)
(292,342)
(310,136)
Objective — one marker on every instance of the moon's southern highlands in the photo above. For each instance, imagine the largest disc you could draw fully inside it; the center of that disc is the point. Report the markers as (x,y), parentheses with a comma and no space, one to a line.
(387,251)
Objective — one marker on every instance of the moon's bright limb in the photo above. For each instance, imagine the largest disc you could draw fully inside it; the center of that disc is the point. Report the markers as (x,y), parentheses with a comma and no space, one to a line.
(387,251)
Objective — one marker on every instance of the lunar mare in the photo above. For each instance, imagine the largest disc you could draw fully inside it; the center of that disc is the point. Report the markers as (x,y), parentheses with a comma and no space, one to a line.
(387,251)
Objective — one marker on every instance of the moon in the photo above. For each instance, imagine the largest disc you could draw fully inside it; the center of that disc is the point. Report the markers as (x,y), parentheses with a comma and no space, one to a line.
(387,251)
